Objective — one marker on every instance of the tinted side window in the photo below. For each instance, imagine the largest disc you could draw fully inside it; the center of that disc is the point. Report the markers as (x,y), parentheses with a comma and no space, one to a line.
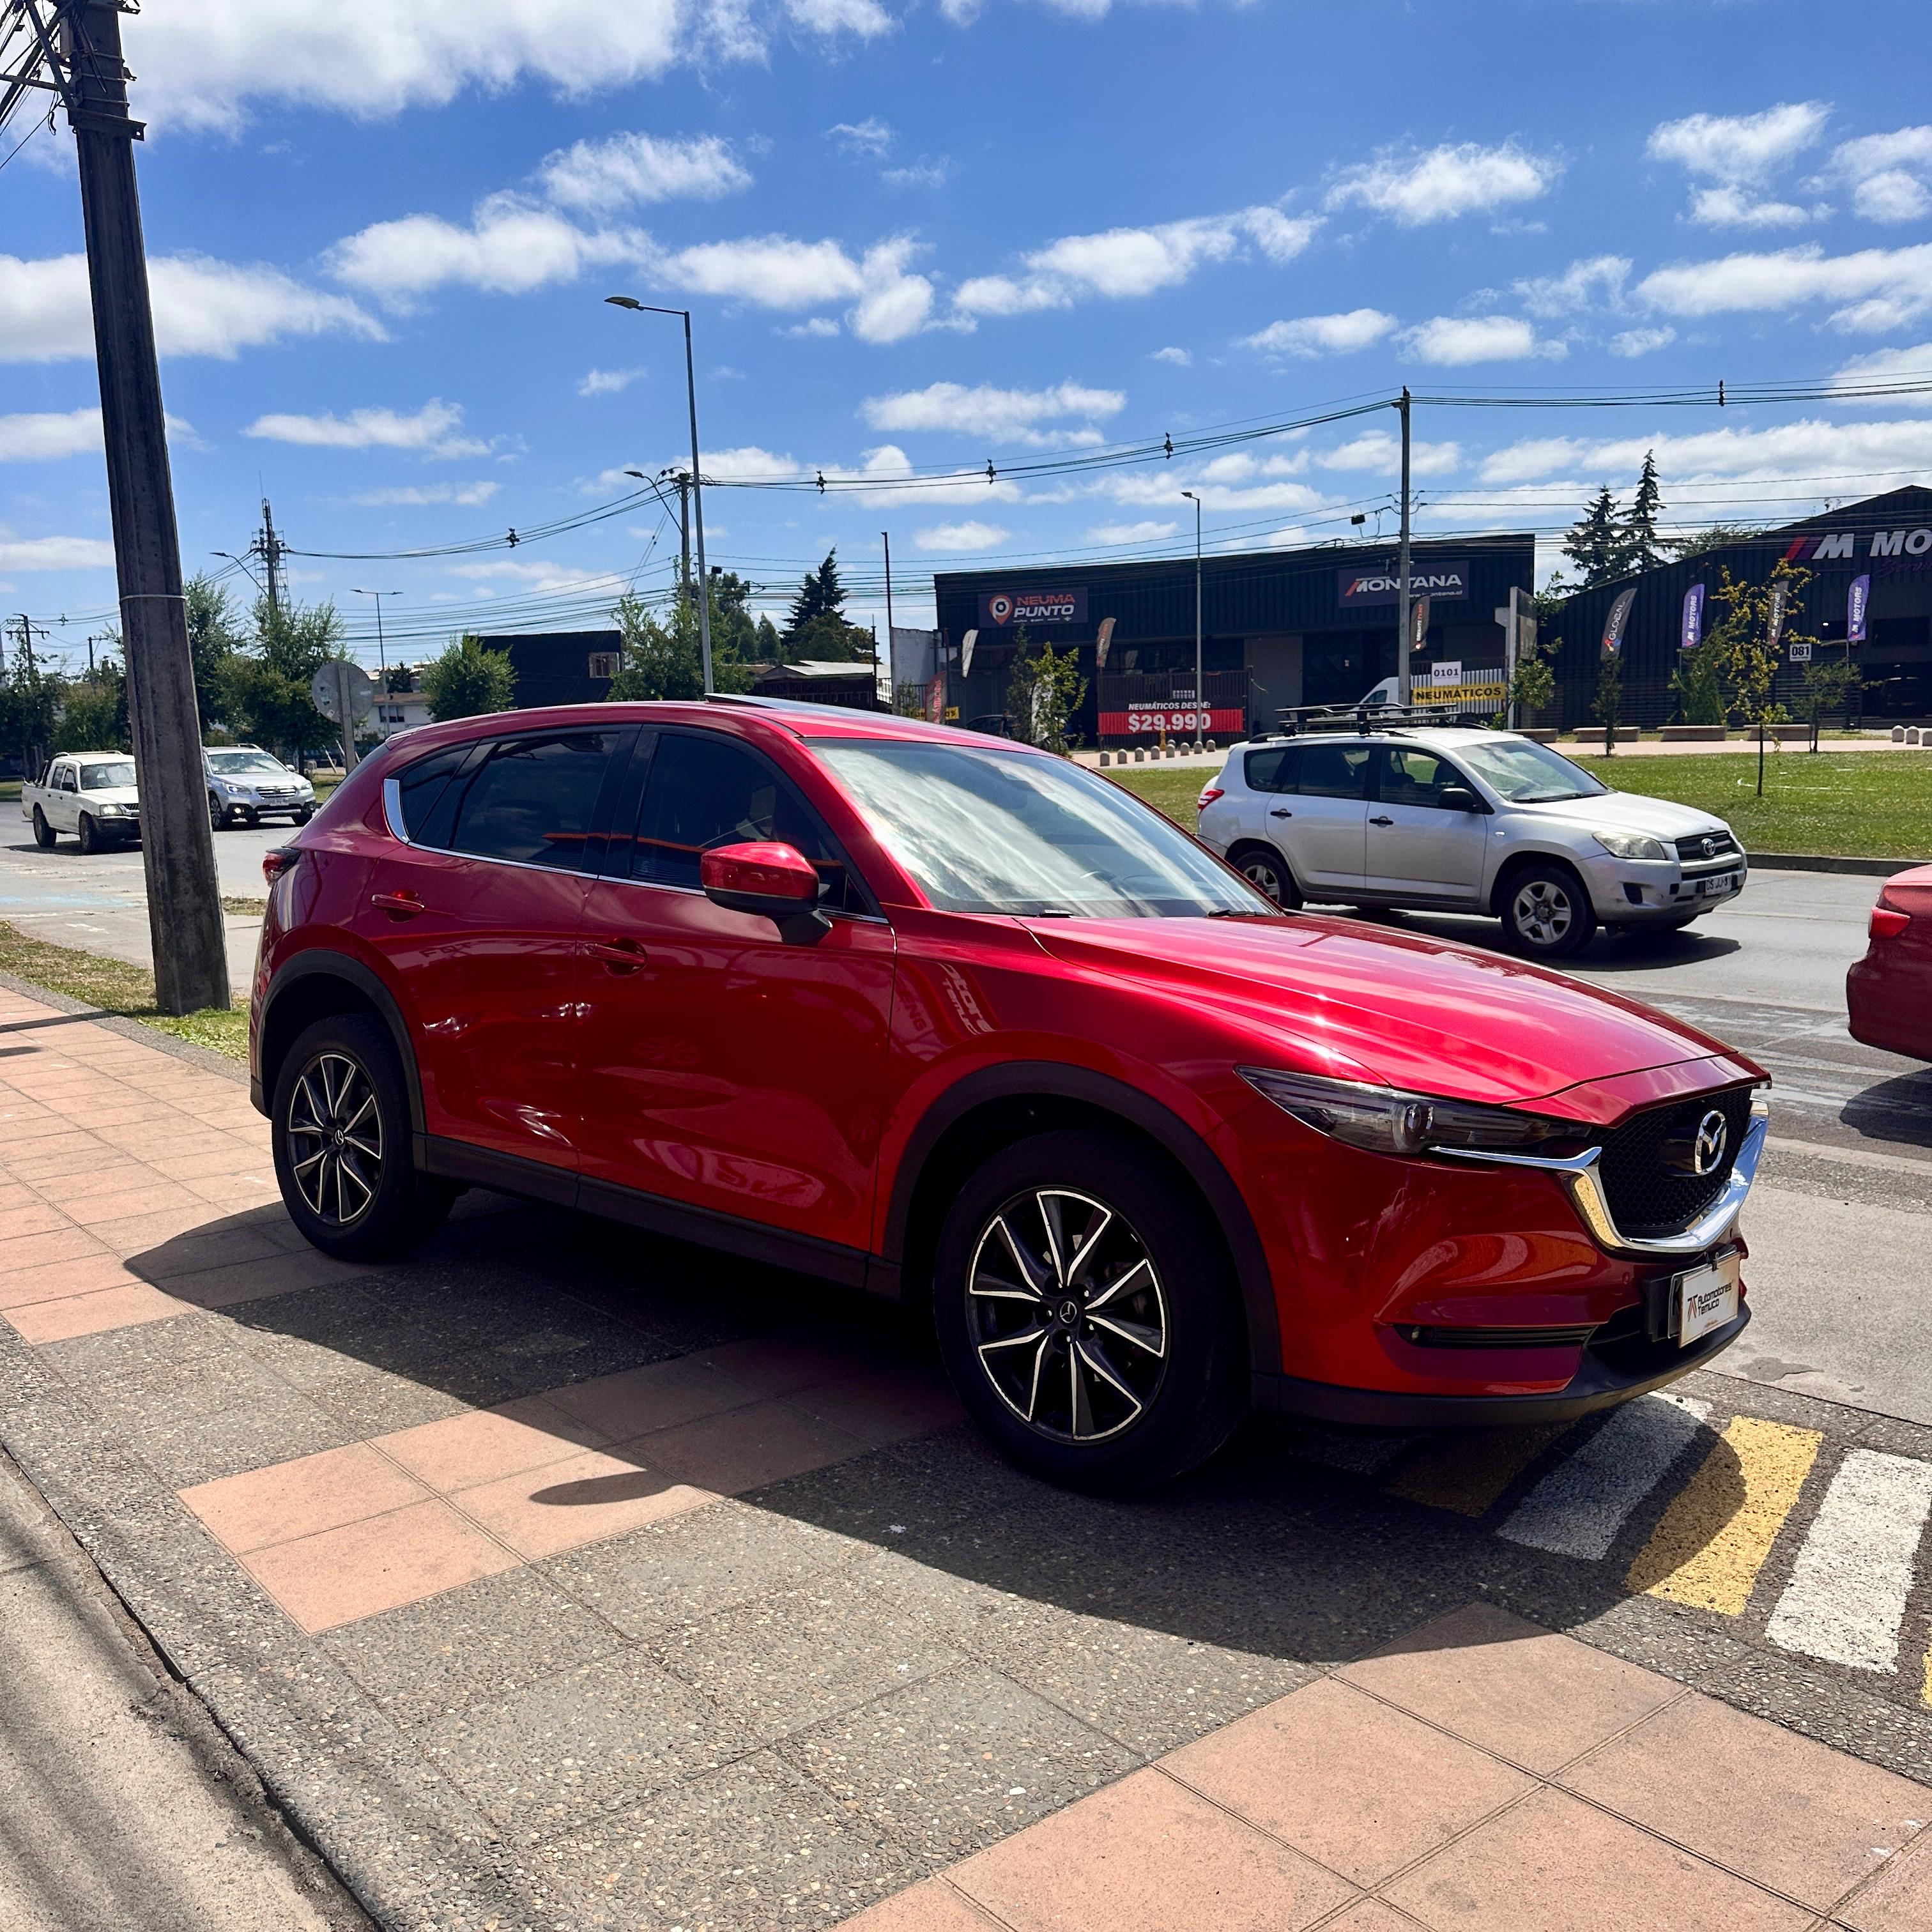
(1274,769)
(1411,776)
(706,790)
(428,793)
(533,799)
(1335,771)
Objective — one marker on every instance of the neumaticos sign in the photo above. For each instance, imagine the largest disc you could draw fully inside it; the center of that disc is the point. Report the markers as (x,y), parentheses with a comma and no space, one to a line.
(1862,546)
(1382,583)
(1033,607)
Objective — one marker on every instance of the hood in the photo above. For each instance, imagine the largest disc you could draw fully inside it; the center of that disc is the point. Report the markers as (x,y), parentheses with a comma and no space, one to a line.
(1413,1012)
(114,795)
(1629,811)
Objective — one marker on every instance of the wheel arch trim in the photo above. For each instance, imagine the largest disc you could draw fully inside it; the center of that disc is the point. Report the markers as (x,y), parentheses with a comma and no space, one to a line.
(321,962)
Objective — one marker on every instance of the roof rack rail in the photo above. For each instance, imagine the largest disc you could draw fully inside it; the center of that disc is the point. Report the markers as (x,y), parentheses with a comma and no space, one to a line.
(1369,719)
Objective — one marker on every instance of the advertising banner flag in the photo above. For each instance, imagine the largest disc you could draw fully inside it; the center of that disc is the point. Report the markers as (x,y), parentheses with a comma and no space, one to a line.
(1103,643)
(1613,625)
(966,644)
(1693,635)
(1418,623)
(1776,614)
(1858,601)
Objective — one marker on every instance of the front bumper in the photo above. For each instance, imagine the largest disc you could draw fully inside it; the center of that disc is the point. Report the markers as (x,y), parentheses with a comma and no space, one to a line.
(1635,892)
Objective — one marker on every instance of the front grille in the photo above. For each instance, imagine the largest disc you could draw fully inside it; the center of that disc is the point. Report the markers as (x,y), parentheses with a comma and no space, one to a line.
(1649,1198)
(1707,847)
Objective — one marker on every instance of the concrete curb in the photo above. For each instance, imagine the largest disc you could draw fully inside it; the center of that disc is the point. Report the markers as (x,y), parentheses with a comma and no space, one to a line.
(1820,862)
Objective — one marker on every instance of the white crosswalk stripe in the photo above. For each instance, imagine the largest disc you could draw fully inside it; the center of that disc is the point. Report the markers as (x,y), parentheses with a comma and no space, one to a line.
(1846,1599)
(1579,1507)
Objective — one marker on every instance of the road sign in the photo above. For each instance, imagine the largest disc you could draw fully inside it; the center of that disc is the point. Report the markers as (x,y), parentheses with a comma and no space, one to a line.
(339,682)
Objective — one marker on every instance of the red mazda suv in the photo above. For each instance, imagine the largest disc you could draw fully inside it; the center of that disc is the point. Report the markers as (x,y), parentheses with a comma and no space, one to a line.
(944,1018)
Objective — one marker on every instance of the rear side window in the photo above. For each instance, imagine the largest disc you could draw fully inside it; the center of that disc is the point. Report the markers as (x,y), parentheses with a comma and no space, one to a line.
(706,790)
(1334,771)
(428,794)
(535,800)
(1274,769)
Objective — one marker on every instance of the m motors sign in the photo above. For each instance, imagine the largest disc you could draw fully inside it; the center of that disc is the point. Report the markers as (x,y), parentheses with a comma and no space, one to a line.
(1907,546)
(1381,583)
(1033,607)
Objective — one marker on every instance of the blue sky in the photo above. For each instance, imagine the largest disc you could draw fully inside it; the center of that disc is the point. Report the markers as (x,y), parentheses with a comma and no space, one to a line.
(916,237)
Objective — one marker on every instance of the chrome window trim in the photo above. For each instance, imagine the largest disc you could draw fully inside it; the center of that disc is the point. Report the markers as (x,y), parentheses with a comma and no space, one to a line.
(392,810)
(1578,1175)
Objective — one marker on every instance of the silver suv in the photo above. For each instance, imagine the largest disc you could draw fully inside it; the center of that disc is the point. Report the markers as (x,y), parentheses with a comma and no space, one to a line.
(1465,820)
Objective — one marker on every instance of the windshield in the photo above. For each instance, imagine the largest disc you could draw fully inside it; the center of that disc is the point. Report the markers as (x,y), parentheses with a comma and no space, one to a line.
(112,775)
(1527,773)
(229,763)
(984,830)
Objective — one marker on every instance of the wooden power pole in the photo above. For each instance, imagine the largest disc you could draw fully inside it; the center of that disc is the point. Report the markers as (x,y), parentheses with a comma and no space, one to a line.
(177,843)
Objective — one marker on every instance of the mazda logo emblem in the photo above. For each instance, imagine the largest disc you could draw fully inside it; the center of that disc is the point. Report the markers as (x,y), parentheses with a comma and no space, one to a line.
(1707,1150)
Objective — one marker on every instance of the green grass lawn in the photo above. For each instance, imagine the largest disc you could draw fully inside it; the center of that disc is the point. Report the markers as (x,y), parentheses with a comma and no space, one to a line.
(116,987)
(1866,804)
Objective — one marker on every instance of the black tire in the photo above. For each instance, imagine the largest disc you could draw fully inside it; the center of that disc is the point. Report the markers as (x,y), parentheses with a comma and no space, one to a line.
(1547,913)
(1262,865)
(44,835)
(303,813)
(1134,1415)
(217,813)
(353,1193)
(89,833)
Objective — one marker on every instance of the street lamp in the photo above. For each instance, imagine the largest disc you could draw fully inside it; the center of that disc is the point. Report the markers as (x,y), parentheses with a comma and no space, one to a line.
(696,495)
(381,655)
(1200,684)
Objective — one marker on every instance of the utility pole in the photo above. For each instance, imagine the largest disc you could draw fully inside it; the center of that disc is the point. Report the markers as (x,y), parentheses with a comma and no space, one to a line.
(269,548)
(27,630)
(382,654)
(177,841)
(1403,692)
(1200,689)
(684,529)
(885,537)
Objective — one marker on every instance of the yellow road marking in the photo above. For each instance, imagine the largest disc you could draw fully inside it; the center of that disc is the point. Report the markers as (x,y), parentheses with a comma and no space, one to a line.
(1714,1538)
(1466,1473)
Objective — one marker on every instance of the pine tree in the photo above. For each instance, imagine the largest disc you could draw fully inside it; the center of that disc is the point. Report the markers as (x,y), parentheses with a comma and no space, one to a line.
(1595,543)
(821,594)
(1641,546)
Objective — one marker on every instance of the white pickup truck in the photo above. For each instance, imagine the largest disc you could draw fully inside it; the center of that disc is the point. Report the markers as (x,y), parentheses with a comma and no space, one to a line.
(91,794)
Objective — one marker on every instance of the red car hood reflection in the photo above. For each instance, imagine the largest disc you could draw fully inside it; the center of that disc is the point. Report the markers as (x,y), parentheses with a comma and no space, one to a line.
(1417,1012)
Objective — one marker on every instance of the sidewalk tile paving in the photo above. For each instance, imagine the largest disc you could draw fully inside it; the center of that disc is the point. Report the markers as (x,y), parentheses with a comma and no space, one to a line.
(558,1578)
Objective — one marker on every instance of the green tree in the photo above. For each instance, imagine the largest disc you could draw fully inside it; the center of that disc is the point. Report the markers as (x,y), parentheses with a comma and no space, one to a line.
(1699,682)
(1715,536)
(1595,543)
(1607,706)
(1043,691)
(93,717)
(213,641)
(1641,546)
(468,680)
(1830,684)
(663,658)
(817,628)
(30,700)
(1747,655)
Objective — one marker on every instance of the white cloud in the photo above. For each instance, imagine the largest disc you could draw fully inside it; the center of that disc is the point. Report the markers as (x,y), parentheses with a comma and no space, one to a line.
(1809,448)
(1889,365)
(1123,262)
(432,430)
(1222,486)
(607,381)
(919,174)
(1181,359)
(202,65)
(968,535)
(1585,283)
(1730,207)
(1323,334)
(1887,173)
(1892,195)
(510,247)
(413,497)
(635,168)
(1739,147)
(871,135)
(1453,180)
(814,326)
(996,415)
(1454,341)
(202,308)
(890,469)
(43,437)
(1879,288)
(866,18)
(54,553)
(896,303)
(1144,532)
(748,464)
(538,576)
(1632,342)
(1379,451)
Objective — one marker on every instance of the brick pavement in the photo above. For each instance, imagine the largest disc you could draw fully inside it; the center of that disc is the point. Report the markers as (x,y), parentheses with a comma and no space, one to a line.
(560,1577)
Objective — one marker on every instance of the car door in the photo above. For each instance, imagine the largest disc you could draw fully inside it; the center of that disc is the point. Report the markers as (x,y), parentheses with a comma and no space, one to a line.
(64,807)
(475,908)
(1324,832)
(725,1066)
(1419,847)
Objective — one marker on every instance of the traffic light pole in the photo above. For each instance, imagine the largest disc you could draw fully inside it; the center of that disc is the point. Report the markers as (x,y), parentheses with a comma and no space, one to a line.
(177,842)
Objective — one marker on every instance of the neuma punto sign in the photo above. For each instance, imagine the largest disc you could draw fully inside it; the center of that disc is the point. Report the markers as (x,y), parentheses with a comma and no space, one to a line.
(1381,584)
(1033,606)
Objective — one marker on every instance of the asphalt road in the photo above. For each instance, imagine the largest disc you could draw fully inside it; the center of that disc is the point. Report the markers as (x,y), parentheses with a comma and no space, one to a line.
(1841,1223)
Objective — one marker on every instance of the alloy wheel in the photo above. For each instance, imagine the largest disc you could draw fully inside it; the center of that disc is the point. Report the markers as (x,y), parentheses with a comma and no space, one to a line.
(335,1139)
(1542,912)
(1262,872)
(1067,1316)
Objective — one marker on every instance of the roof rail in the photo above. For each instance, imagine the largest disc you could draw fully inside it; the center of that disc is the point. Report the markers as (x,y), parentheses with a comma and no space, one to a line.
(1368,719)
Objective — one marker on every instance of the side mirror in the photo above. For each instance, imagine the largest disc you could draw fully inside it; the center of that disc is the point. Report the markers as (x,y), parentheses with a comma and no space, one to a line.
(1458,798)
(775,881)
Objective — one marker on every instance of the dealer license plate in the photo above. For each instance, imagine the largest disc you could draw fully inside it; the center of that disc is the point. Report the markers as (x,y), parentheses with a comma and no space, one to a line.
(1725,882)
(1706,1297)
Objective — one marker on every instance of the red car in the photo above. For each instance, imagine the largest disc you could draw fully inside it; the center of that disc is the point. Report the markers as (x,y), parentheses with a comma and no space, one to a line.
(958,1022)
(1889,992)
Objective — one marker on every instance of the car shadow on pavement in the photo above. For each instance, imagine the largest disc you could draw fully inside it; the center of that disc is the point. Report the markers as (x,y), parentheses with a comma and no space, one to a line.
(1899,1109)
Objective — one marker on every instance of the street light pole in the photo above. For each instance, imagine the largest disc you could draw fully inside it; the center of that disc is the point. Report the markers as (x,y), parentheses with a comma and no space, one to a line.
(696,488)
(381,655)
(1404,692)
(1200,684)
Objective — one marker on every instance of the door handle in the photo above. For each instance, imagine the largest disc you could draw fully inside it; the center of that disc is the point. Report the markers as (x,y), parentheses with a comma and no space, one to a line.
(1280,811)
(397,905)
(1381,821)
(621,956)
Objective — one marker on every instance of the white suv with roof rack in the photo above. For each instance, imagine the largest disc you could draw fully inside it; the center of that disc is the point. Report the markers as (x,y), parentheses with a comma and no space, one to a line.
(1464,820)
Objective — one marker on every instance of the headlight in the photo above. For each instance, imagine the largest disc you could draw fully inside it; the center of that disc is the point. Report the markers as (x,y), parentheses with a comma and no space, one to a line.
(1630,845)
(1385,1119)
(114,812)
